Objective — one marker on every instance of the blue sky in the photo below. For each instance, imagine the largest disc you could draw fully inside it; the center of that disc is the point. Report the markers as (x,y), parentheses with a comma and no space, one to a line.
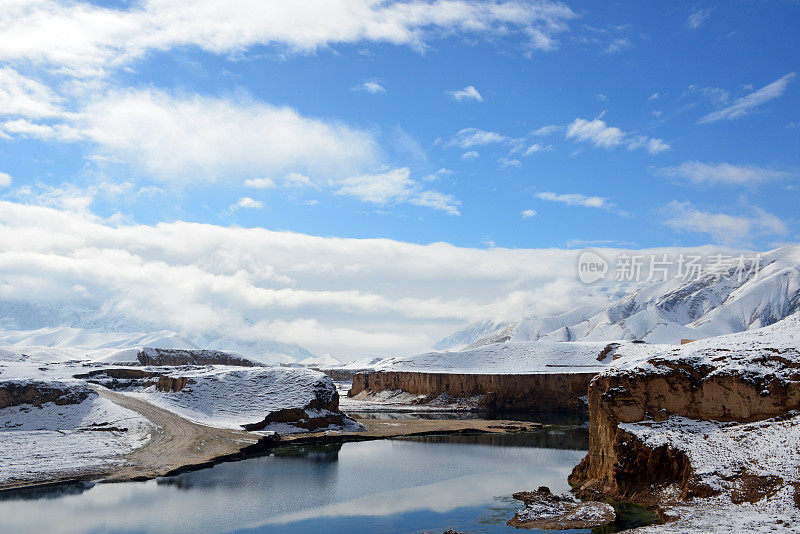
(500,136)
(653,71)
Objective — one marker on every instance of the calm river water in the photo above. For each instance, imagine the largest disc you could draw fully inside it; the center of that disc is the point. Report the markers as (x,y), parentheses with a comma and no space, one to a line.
(415,485)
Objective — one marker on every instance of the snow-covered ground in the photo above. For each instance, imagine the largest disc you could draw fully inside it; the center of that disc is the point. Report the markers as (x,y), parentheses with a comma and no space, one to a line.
(759,352)
(522,358)
(758,460)
(49,441)
(229,397)
(52,441)
(719,453)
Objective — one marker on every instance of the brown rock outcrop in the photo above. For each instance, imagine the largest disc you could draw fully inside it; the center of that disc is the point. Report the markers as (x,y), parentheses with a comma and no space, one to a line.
(36,393)
(320,413)
(169,357)
(557,392)
(620,466)
(546,511)
(300,418)
(171,383)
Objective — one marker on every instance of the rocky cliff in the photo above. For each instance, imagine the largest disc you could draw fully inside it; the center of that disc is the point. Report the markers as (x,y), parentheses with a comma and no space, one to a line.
(36,393)
(169,357)
(645,415)
(500,392)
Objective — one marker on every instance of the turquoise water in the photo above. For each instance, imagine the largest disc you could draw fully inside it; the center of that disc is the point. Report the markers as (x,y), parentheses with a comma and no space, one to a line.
(416,485)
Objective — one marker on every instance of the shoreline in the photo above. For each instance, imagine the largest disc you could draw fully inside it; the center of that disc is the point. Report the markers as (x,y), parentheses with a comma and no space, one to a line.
(178,445)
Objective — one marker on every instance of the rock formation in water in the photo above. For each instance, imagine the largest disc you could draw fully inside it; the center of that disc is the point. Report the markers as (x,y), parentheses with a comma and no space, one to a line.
(546,511)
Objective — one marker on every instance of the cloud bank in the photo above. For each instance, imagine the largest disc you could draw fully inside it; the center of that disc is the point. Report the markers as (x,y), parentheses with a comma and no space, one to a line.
(86,39)
(351,297)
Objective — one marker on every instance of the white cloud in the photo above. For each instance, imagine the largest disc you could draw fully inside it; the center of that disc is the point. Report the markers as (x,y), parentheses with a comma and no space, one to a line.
(595,131)
(536,147)
(437,201)
(619,44)
(87,39)
(77,199)
(371,86)
(45,132)
(351,297)
(259,183)
(716,96)
(472,154)
(698,17)
(472,137)
(576,199)
(698,172)
(652,145)
(654,96)
(723,228)
(527,214)
(467,93)
(5,179)
(395,186)
(207,139)
(747,104)
(26,97)
(600,134)
(547,130)
(436,175)
(505,162)
(295,179)
(248,203)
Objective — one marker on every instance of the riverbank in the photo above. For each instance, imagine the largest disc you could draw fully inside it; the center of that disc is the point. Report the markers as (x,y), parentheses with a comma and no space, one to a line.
(178,445)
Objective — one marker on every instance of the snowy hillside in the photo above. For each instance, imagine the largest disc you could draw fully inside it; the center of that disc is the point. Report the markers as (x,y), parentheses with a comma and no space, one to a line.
(77,434)
(121,346)
(469,335)
(715,303)
(227,397)
(27,324)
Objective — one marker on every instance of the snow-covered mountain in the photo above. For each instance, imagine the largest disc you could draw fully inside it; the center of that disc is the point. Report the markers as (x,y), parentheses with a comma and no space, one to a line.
(725,301)
(63,326)
(118,345)
(469,335)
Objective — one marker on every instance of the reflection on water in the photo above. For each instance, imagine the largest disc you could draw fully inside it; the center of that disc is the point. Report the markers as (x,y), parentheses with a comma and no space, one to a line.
(47,491)
(548,418)
(426,484)
(574,438)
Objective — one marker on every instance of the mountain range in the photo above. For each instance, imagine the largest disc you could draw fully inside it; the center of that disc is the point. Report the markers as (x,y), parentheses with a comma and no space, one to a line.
(726,300)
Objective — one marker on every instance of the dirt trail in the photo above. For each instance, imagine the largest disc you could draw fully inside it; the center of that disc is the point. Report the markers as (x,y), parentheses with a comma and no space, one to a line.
(175,441)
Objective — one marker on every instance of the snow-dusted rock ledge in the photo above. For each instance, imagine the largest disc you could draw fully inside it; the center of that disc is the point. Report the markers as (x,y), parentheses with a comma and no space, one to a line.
(711,426)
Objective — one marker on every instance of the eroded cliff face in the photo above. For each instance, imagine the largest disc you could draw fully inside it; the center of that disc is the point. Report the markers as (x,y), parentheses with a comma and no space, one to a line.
(717,384)
(172,357)
(500,392)
(36,393)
